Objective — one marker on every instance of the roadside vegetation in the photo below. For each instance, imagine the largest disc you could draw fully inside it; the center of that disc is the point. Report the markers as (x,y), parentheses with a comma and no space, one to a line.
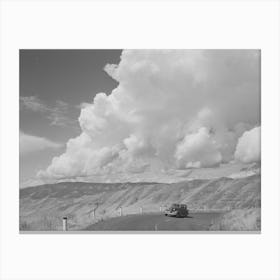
(239,220)
(46,223)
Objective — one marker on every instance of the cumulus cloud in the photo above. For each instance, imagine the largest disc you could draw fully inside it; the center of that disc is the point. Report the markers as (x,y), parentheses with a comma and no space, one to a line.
(198,150)
(248,148)
(171,109)
(30,144)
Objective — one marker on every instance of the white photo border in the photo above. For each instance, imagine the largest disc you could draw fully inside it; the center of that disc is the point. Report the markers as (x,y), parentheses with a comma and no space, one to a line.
(124,24)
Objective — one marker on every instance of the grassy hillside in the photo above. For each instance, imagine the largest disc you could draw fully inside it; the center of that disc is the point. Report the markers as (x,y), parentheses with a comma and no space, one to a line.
(42,207)
(239,220)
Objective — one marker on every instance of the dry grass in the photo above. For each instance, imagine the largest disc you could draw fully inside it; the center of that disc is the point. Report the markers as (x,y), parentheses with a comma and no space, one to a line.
(45,223)
(42,207)
(239,220)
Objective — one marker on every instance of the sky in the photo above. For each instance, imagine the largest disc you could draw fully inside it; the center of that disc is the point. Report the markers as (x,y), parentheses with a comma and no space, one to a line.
(53,85)
(113,115)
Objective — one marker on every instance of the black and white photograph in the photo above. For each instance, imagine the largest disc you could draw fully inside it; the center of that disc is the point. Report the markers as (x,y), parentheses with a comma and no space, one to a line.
(140,140)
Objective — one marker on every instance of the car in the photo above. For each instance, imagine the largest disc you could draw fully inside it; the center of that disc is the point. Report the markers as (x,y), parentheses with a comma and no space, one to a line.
(177,210)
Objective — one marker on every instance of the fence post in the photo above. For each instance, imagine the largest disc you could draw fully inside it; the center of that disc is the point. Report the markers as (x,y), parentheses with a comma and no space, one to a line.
(120,211)
(64,223)
(141,210)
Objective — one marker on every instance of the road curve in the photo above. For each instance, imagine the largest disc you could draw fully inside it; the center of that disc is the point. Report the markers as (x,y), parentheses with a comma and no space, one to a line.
(153,222)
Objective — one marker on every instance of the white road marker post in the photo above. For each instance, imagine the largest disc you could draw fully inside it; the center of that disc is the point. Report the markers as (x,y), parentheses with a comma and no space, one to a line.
(156,227)
(160,209)
(141,210)
(93,213)
(120,211)
(64,224)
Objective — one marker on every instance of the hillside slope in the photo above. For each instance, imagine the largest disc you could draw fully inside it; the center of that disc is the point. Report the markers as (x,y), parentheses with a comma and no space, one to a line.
(239,220)
(42,207)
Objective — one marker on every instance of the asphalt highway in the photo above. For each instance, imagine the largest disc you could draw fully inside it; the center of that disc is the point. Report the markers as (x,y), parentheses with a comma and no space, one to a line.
(156,222)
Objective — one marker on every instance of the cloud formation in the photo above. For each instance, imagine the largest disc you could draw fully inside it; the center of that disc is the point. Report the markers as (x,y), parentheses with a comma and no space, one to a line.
(198,150)
(171,109)
(30,144)
(59,114)
(33,103)
(248,148)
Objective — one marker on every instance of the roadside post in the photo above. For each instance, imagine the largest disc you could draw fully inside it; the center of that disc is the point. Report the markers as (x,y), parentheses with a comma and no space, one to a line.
(120,211)
(141,210)
(64,223)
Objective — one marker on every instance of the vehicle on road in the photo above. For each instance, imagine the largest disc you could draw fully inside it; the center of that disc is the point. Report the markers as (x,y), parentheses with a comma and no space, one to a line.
(177,210)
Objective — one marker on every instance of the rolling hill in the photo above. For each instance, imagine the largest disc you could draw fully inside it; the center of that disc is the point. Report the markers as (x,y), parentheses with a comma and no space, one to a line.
(42,207)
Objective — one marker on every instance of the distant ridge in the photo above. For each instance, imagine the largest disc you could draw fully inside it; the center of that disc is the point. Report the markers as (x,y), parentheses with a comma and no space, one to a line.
(78,200)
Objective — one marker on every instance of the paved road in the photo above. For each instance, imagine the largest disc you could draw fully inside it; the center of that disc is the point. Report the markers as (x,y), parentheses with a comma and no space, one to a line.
(152,222)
